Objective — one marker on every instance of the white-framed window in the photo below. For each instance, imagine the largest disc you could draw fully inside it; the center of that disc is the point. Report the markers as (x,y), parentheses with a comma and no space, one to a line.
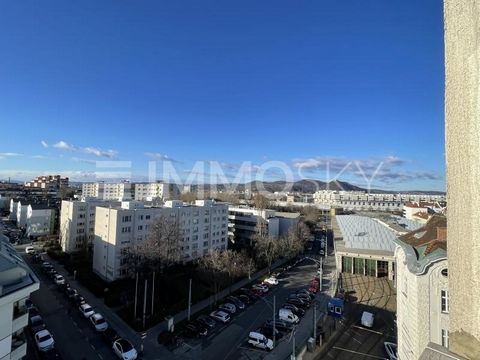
(445,338)
(444,301)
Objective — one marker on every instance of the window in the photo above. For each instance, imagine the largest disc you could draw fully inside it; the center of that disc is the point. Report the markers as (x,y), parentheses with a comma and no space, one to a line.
(445,338)
(205,243)
(147,217)
(444,302)
(126,229)
(140,227)
(126,218)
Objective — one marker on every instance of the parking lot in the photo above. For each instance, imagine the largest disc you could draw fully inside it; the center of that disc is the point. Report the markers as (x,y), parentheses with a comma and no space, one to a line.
(74,335)
(376,295)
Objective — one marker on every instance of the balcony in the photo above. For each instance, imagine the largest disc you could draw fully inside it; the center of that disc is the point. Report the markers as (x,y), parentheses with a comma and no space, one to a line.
(20,318)
(19,346)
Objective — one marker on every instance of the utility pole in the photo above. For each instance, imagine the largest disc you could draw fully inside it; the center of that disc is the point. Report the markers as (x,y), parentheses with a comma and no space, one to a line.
(189,298)
(274,321)
(145,303)
(136,296)
(315,321)
(293,345)
(153,290)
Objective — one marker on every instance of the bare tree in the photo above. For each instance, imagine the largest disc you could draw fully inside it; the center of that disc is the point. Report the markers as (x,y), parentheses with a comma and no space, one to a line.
(248,264)
(213,265)
(189,197)
(294,242)
(260,202)
(159,250)
(266,247)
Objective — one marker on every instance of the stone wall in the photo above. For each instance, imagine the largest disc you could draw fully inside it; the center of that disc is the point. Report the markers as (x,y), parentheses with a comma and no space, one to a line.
(462,117)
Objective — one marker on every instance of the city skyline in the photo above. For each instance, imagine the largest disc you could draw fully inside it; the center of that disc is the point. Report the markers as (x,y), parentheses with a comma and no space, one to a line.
(227,84)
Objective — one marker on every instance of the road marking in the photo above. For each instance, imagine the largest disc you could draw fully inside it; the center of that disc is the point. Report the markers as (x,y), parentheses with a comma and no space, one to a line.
(372,331)
(359,353)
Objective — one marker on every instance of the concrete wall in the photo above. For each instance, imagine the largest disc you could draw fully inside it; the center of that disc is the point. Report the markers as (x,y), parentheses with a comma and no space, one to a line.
(462,118)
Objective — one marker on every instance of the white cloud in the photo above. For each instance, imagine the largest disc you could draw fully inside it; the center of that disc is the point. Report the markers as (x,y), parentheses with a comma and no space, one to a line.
(159,157)
(99,152)
(64,146)
(89,150)
(38,157)
(44,143)
(86,161)
(9,154)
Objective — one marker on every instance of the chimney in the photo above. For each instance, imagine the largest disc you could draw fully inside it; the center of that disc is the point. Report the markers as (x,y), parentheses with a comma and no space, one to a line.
(441,233)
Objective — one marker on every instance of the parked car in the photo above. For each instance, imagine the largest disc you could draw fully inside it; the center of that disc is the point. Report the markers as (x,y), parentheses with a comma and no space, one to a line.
(391,350)
(367,319)
(313,289)
(220,316)
(30,250)
(195,330)
(86,310)
(307,293)
(245,299)
(261,287)
(253,296)
(271,281)
(98,322)
(44,340)
(207,321)
(297,302)
(268,332)
(228,308)
(59,279)
(305,300)
(36,258)
(288,316)
(33,311)
(297,311)
(46,264)
(28,304)
(78,299)
(70,293)
(259,340)
(124,349)
(36,324)
(51,354)
(109,335)
(240,305)
(258,293)
(280,325)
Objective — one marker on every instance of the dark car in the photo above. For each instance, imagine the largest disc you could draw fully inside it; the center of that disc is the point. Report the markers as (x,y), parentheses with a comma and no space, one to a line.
(70,293)
(306,298)
(51,354)
(306,293)
(297,311)
(207,321)
(195,330)
(33,311)
(237,302)
(245,299)
(78,299)
(28,304)
(109,336)
(36,324)
(249,293)
(298,303)
(268,332)
(280,325)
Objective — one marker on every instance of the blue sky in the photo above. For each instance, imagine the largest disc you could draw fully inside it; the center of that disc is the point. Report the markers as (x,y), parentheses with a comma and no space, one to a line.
(305,83)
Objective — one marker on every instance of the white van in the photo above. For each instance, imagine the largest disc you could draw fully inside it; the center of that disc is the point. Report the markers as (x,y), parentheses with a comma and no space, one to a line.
(260,341)
(288,316)
(30,250)
(367,319)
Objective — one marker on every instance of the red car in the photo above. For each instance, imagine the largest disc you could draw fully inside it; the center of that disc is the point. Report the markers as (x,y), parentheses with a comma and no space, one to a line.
(313,290)
(257,292)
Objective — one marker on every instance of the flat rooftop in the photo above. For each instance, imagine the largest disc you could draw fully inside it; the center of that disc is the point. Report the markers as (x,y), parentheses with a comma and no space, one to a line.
(363,234)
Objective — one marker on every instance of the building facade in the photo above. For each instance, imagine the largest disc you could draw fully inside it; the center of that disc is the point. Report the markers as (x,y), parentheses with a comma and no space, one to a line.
(40,220)
(155,190)
(108,191)
(49,182)
(202,227)
(422,289)
(77,223)
(363,201)
(242,223)
(17,282)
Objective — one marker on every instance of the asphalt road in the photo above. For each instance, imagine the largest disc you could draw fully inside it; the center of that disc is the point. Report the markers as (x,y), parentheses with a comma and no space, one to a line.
(74,336)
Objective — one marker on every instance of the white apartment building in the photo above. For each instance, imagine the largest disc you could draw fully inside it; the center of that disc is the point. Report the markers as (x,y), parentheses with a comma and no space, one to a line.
(363,201)
(202,226)
(155,190)
(53,182)
(422,288)
(17,282)
(77,223)
(414,210)
(242,222)
(107,191)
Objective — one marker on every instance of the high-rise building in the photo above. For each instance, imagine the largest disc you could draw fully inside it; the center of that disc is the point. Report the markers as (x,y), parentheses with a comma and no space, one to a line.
(202,227)
(108,191)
